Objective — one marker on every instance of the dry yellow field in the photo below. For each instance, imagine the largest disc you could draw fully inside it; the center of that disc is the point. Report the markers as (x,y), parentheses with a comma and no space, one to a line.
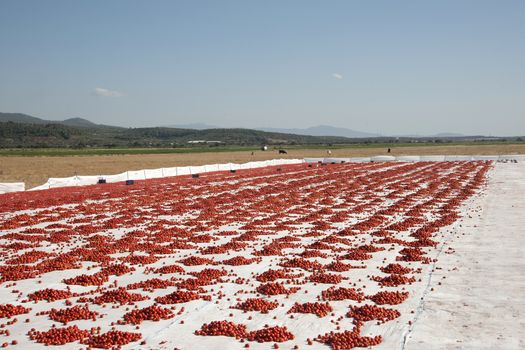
(35,171)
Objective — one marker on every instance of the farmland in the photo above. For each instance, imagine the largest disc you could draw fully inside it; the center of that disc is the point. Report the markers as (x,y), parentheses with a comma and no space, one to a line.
(299,256)
(34,167)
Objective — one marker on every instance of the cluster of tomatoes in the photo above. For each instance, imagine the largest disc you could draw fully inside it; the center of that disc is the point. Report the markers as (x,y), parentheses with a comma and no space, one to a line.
(73,314)
(112,339)
(49,295)
(178,297)
(342,293)
(150,313)
(270,334)
(327,278)
(10,310)
(348,340)
(257,304)
(390,298)
(372,312)
(319,309)
(225,328)
(118,296)
(58,336)
(151,284)
(275,289)
(272,275)
(393,280)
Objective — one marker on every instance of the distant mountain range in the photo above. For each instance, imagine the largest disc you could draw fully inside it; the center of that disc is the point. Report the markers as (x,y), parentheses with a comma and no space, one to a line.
(22,130)
(320,130)
(323,130)
(194,126)
(27,119)
(439,135)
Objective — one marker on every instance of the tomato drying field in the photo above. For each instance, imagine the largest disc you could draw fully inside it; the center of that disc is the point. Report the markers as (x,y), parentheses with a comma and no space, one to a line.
(294,257)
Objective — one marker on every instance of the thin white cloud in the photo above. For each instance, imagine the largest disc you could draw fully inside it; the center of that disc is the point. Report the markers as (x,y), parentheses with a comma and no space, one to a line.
(337,76)
(107,93)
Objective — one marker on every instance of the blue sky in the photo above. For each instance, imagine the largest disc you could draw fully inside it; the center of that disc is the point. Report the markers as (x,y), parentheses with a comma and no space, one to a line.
(389,67)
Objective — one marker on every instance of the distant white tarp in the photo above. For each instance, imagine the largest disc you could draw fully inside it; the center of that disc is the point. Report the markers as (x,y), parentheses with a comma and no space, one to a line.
(457,157)
(408,158)
(12,187)
(518,157)
(313,160)
(337,160)
(485,157)
(433,158)
(383,159)
(159,173)
(359,159)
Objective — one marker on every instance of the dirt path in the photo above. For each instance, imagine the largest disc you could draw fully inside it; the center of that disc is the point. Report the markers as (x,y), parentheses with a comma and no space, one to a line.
(35,171)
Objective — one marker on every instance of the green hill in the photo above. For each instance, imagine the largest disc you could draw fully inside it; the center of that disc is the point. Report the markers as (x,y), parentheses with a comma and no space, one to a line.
(24,131)
(75,122)
(35,132)
(21,118)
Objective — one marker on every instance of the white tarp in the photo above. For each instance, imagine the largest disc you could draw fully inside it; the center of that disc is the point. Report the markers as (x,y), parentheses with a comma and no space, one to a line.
(455,158)
(225,167)
(12,187)
(408,158)
(485,157)
(432,158)
(159,173)
(336,160)
(518,157)
(313,160)
(198,169)
(429,158)
(359,159)
(383,159)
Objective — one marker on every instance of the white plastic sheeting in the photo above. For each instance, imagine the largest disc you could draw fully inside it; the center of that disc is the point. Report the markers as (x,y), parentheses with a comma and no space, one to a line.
(485,157)
(337,160)
(518,157)
(159,173)
(436,158)
(408,158)
(383,159)
(457,157)
(432,158)
(314,160)
(12,187)
(359,159)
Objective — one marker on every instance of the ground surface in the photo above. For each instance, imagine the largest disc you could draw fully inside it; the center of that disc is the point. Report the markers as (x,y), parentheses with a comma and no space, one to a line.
(360,250)
(481,303)
(35,171)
